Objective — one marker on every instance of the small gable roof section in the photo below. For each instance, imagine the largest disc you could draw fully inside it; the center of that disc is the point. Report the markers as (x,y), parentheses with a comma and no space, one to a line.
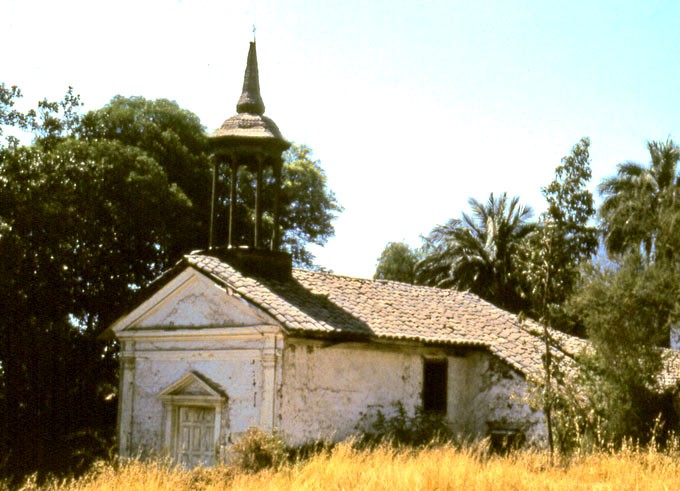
(193,387)
(188,299)
(321,304)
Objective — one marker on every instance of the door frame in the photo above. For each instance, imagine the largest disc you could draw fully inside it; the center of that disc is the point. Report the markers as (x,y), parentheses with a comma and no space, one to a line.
(174,397)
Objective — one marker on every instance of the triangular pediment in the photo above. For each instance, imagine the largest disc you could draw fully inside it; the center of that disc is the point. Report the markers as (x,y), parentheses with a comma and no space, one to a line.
(193,385)
(192,300)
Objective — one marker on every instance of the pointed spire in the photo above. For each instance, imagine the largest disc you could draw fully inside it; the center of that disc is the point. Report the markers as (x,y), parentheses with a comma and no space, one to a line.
(251,100)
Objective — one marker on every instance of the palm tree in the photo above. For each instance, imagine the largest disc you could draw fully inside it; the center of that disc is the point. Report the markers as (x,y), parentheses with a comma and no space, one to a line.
(479,252)
(636,199)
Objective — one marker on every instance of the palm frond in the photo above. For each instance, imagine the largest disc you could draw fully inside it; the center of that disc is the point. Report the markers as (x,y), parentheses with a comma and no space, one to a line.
(479,251)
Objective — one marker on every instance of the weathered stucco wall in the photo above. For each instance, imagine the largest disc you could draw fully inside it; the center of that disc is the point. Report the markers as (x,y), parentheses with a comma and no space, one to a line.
(236,366)
(498,401)
(328,388)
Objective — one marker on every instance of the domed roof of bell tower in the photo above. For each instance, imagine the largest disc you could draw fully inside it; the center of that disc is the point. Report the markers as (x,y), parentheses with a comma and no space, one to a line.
(249,126)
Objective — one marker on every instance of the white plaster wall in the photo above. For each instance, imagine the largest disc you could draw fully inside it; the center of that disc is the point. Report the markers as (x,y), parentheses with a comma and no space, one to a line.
(327,389)
(464,384)
(500,401)
(194,300)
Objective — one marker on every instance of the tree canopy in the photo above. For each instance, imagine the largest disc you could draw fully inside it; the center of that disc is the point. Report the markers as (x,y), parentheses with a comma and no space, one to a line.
(629,305)
(628,312)
(638,199)
(83,223)
(564,238)
(175,139)
(397,262)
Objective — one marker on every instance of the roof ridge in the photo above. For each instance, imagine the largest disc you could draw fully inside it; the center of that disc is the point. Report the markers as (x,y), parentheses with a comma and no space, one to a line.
(381,281)
(330,273)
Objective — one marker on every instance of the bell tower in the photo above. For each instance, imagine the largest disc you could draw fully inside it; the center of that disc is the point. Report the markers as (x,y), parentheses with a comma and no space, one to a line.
(252,140)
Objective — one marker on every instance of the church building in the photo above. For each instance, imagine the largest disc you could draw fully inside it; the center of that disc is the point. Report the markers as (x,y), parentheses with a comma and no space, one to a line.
(234,337)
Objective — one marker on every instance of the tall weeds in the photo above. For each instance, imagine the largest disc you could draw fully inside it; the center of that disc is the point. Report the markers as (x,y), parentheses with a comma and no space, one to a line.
(385,467)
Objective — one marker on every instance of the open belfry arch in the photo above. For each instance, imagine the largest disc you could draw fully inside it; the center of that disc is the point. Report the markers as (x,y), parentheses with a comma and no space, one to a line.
(252,140)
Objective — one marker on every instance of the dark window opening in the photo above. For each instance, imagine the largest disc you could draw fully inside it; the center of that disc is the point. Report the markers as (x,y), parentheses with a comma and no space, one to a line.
(434,385)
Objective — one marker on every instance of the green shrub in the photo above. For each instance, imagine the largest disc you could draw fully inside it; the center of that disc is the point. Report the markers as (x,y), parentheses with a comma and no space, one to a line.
(257,450)
(403,429)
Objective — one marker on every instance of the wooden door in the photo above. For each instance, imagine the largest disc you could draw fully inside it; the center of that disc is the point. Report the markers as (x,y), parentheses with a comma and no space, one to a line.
(195,436)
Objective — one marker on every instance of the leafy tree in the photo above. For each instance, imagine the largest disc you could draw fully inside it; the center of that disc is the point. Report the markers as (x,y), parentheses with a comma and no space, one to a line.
(81,225)
(8,95)
(563,239)
(636,199)
(479,252)
(397,263)
(627,311)
(54,121)
(309,206)
(9,116)
(571,208)
(174,138)
(561,242)
(628,305)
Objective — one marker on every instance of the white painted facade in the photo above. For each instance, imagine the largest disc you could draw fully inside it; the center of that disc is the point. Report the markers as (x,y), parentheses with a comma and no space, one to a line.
(200,365)
(328,389)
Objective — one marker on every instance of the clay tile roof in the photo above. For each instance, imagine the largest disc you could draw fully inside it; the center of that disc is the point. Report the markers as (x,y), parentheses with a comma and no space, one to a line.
(314,303)
(325,304)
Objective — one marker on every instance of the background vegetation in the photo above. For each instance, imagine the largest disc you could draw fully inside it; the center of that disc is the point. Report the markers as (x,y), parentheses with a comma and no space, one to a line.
(610,275)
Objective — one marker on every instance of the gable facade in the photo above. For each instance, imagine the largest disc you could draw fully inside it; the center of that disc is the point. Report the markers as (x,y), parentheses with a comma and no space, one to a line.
(192,345)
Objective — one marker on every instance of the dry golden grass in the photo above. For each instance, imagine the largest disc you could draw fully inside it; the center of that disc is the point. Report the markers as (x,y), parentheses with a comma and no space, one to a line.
(386,468)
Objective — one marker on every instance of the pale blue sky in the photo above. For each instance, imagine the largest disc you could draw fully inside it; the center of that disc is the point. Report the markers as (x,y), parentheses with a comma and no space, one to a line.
(412,107)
